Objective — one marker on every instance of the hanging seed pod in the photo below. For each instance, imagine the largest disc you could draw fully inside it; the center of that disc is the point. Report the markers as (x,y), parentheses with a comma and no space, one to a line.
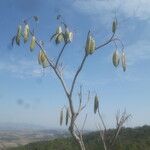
(96,104)
(67,35)
(61,117)
(70,36)
(32,45)
(114,26)
(26,33)
(116,58)
(90,45)
(42,59)
(18,36)
(59,35)
(123,58)
(67,116)
(39,58)
(59,38)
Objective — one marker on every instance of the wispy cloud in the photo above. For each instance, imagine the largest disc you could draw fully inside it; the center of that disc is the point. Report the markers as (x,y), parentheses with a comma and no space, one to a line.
(139,51)
(136,8)
(21,68)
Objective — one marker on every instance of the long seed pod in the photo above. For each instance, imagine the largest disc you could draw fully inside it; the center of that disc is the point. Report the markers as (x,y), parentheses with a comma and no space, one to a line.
(32,44)
(59,35)
(123,58)
(88,43)
(114,26)
(61,116)
(67,116)
(70,36)
(18,36)
(42,59)
(67,35)
(39,58)
(96,104)
(92,45)
(26,33)
(59,38)
(115,58)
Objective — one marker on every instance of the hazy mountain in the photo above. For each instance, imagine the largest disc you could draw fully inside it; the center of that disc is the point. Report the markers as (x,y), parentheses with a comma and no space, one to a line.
(129,139)
(14,134)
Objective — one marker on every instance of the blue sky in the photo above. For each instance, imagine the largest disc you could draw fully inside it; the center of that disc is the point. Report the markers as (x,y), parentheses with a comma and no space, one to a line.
(32,95)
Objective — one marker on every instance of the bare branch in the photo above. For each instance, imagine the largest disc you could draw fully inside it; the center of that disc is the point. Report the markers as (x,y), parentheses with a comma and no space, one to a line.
(102,135)
(77,73)
(117,39)
(101,118)
(120,122)
(80,100)
(105,43)
(88,99)
(60,55)
(84,123)
(53,67)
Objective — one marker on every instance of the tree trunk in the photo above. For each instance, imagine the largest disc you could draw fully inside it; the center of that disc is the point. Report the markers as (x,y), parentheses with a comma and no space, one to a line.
(76,137)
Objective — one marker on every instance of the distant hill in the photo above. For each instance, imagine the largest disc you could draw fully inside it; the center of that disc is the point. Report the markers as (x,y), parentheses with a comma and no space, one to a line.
(130,139)
(14,134)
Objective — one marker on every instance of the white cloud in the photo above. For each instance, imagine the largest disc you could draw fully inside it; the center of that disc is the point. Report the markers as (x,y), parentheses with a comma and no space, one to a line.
(106,8)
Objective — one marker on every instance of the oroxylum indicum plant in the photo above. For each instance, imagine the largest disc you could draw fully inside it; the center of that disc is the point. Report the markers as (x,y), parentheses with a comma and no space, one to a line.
(64,35)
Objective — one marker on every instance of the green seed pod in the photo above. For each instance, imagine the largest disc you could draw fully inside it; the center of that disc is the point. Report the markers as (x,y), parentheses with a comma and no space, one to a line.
(114,26)
(59,38)
(123,58)
(61,117)
(116,58)
(70,36)
(88,43)
(67,116)
(32,45)
(67,35)
(18,36)
(42,59)
(96,104)
(92,46)
(39,57)
(58,35)
(26,33)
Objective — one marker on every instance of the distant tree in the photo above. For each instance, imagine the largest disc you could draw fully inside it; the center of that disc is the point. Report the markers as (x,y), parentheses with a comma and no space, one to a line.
(65,36)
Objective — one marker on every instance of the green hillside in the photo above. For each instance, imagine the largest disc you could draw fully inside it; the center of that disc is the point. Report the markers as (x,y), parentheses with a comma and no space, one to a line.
(129,139)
